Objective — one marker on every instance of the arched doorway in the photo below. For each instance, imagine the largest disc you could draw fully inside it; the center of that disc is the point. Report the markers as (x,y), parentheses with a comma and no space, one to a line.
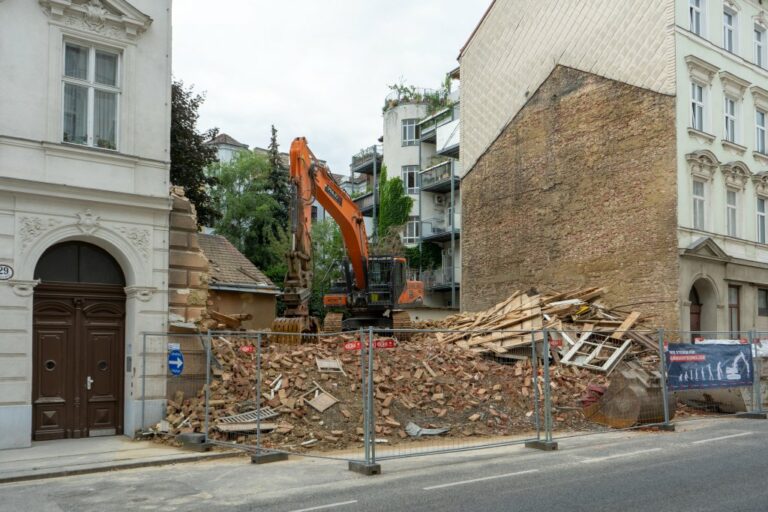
(695,312)
(78,343)
(703,316)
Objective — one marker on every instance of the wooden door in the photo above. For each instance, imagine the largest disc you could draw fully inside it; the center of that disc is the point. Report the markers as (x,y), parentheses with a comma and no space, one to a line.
(78,360)
(695,312)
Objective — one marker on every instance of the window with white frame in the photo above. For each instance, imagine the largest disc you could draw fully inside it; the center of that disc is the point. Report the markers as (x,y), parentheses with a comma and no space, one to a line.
(698,204)
(412,231)
(730,119)
(731,210)
(696,16)
(410,135)
(761,220)
(410,178)
(697,106)
(91,91)
(760,47)
(760,131)
(729,31)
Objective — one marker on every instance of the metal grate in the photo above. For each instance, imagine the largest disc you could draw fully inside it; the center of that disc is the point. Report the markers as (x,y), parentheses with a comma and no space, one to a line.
(249,417)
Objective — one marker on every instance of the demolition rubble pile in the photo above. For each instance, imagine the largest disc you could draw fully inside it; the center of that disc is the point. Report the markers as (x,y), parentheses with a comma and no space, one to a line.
(478,382)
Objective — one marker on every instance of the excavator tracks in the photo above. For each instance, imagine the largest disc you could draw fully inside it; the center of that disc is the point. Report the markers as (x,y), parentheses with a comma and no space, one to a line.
(333,322)
(402,320)
(288,330)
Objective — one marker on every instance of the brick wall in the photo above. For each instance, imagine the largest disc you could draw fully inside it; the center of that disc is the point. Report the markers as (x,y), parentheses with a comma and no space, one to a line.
(578,190)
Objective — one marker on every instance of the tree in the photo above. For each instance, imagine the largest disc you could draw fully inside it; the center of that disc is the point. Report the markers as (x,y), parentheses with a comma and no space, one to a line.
(249,213)
(327,251)
(394,210)
(189,153)
(278,179)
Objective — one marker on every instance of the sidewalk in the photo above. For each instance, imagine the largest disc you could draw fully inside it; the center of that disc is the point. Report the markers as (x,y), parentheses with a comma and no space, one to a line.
(48,459)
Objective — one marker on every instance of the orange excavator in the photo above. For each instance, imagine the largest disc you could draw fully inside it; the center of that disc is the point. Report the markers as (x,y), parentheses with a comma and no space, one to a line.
(373,287)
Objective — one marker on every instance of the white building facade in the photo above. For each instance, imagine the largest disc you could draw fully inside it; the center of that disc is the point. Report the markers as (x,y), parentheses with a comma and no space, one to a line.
(84,206)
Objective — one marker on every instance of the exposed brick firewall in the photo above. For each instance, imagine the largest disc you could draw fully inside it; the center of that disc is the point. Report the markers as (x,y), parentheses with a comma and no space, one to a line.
(578,190)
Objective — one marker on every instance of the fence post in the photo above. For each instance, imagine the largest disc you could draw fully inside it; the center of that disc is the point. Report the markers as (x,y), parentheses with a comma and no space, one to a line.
(364,394)
(547,394)
(368,466)
(547,444)
(535,372)
(757,371)
(207,381)
(143,380)
(663,377)
(258,392)
(371,412)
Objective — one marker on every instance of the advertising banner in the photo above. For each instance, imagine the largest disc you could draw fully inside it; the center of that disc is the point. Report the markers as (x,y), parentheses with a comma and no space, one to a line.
(708,366)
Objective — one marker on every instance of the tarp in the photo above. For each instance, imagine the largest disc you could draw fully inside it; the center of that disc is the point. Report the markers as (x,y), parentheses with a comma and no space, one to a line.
(705,366)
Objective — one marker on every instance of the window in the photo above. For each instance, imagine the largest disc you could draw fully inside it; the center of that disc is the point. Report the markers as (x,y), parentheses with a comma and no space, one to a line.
(697,107)
(760,131)
(762,302)
(91,91)
(698,205)
(410,178)
(412,231)
(729,31)
(696,15)
(761,220)
(730,119)
(760,47)
(733,312)
(731,212)
(409,132)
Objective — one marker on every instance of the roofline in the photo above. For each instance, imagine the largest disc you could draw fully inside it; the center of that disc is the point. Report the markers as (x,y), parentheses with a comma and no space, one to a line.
(234,287)
(477,27)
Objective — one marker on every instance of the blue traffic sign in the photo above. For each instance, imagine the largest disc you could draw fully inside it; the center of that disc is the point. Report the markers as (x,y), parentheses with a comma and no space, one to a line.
(175,361)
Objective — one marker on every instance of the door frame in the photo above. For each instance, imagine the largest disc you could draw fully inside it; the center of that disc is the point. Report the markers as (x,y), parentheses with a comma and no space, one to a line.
(79,292)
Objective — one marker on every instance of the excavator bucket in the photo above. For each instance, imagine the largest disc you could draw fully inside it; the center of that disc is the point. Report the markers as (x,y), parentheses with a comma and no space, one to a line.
(289,330)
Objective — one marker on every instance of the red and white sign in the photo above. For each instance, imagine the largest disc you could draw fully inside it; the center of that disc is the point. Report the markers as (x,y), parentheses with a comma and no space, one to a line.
(353,345)
(248,349)
(385,343)
(556,342)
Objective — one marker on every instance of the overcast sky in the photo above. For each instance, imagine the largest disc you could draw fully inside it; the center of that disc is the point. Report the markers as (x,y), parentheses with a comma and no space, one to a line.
(317,68)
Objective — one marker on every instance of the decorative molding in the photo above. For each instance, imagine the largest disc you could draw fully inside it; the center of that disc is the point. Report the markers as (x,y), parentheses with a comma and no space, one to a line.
(141,293)
(700,70)
(760,181)
(702,164)
(732,5)
(33,227)
(702,137)
(88,222)
(733,86)
(760,157)
(707,248)
(117,19)
(732,147)
(139,238)
(760,96)
(761,20)
(736,174)
(23,288)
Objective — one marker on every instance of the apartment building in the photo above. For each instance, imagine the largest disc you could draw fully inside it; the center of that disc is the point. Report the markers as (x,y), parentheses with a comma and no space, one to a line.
(620,144)
(84,215)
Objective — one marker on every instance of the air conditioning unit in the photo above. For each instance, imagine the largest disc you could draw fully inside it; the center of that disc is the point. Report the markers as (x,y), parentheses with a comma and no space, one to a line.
(439,200)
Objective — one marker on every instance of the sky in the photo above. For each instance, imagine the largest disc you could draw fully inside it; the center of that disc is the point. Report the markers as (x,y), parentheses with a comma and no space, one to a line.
(313,68)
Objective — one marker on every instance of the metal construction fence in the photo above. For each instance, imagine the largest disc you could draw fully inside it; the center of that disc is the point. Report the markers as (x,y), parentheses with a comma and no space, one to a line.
(373,395)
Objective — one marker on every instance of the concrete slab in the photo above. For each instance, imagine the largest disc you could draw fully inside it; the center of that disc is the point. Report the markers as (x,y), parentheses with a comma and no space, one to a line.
(48,459)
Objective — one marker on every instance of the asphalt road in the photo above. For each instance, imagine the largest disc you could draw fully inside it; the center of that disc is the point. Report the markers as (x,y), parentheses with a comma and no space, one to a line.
(707,465)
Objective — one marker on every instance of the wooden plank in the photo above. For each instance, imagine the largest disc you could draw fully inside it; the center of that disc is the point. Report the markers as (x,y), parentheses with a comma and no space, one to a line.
(626,325)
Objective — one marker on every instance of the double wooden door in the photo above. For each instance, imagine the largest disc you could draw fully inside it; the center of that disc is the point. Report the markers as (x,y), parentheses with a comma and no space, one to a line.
(77,389)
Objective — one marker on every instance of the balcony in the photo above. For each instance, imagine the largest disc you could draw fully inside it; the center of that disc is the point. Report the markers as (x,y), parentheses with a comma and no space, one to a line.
(365,203)
(428,126)
(438,177)
(363,162)
(441,279)
(439,229)
(448,138)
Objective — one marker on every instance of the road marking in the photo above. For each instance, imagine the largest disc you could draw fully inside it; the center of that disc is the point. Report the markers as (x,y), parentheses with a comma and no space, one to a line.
(321,507)
(721,438)
(441,486)
(619,455)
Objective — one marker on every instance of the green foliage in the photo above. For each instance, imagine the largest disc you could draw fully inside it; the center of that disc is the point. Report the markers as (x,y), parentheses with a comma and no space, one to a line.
(189,153)
(250,213)
(328,250)
(394,204)
(426,257)
(434,99)
(278,179)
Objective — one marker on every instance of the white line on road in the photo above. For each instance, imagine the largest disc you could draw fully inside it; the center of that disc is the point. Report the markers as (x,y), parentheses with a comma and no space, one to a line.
(481,479)
(618,455)
(721,438)
(321,507)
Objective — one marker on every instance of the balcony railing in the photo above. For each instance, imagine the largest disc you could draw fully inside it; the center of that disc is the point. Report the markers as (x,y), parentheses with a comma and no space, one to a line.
(442,277)
(439,229)
(365,202)
(363,161)
(438,174)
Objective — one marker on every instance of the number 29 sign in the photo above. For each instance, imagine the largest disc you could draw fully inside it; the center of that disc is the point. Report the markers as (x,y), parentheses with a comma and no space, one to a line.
(6,272)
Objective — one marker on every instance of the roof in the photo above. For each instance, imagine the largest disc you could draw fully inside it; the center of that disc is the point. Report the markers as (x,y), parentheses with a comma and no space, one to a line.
(477,27)
(223,138)
(230,269)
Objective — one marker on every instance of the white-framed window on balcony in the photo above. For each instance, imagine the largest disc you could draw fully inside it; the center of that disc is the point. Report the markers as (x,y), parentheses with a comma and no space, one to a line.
(412,231)
(759,39)
(731,212)
(698,96)
(698,204)
(760,131)
(410,132)
(91,92)
(730,111)
(729,30)
(761,220)
(411,178)
(696,16)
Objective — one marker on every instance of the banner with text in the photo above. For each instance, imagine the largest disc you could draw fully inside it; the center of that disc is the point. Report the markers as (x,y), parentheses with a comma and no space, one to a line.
(708,366)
